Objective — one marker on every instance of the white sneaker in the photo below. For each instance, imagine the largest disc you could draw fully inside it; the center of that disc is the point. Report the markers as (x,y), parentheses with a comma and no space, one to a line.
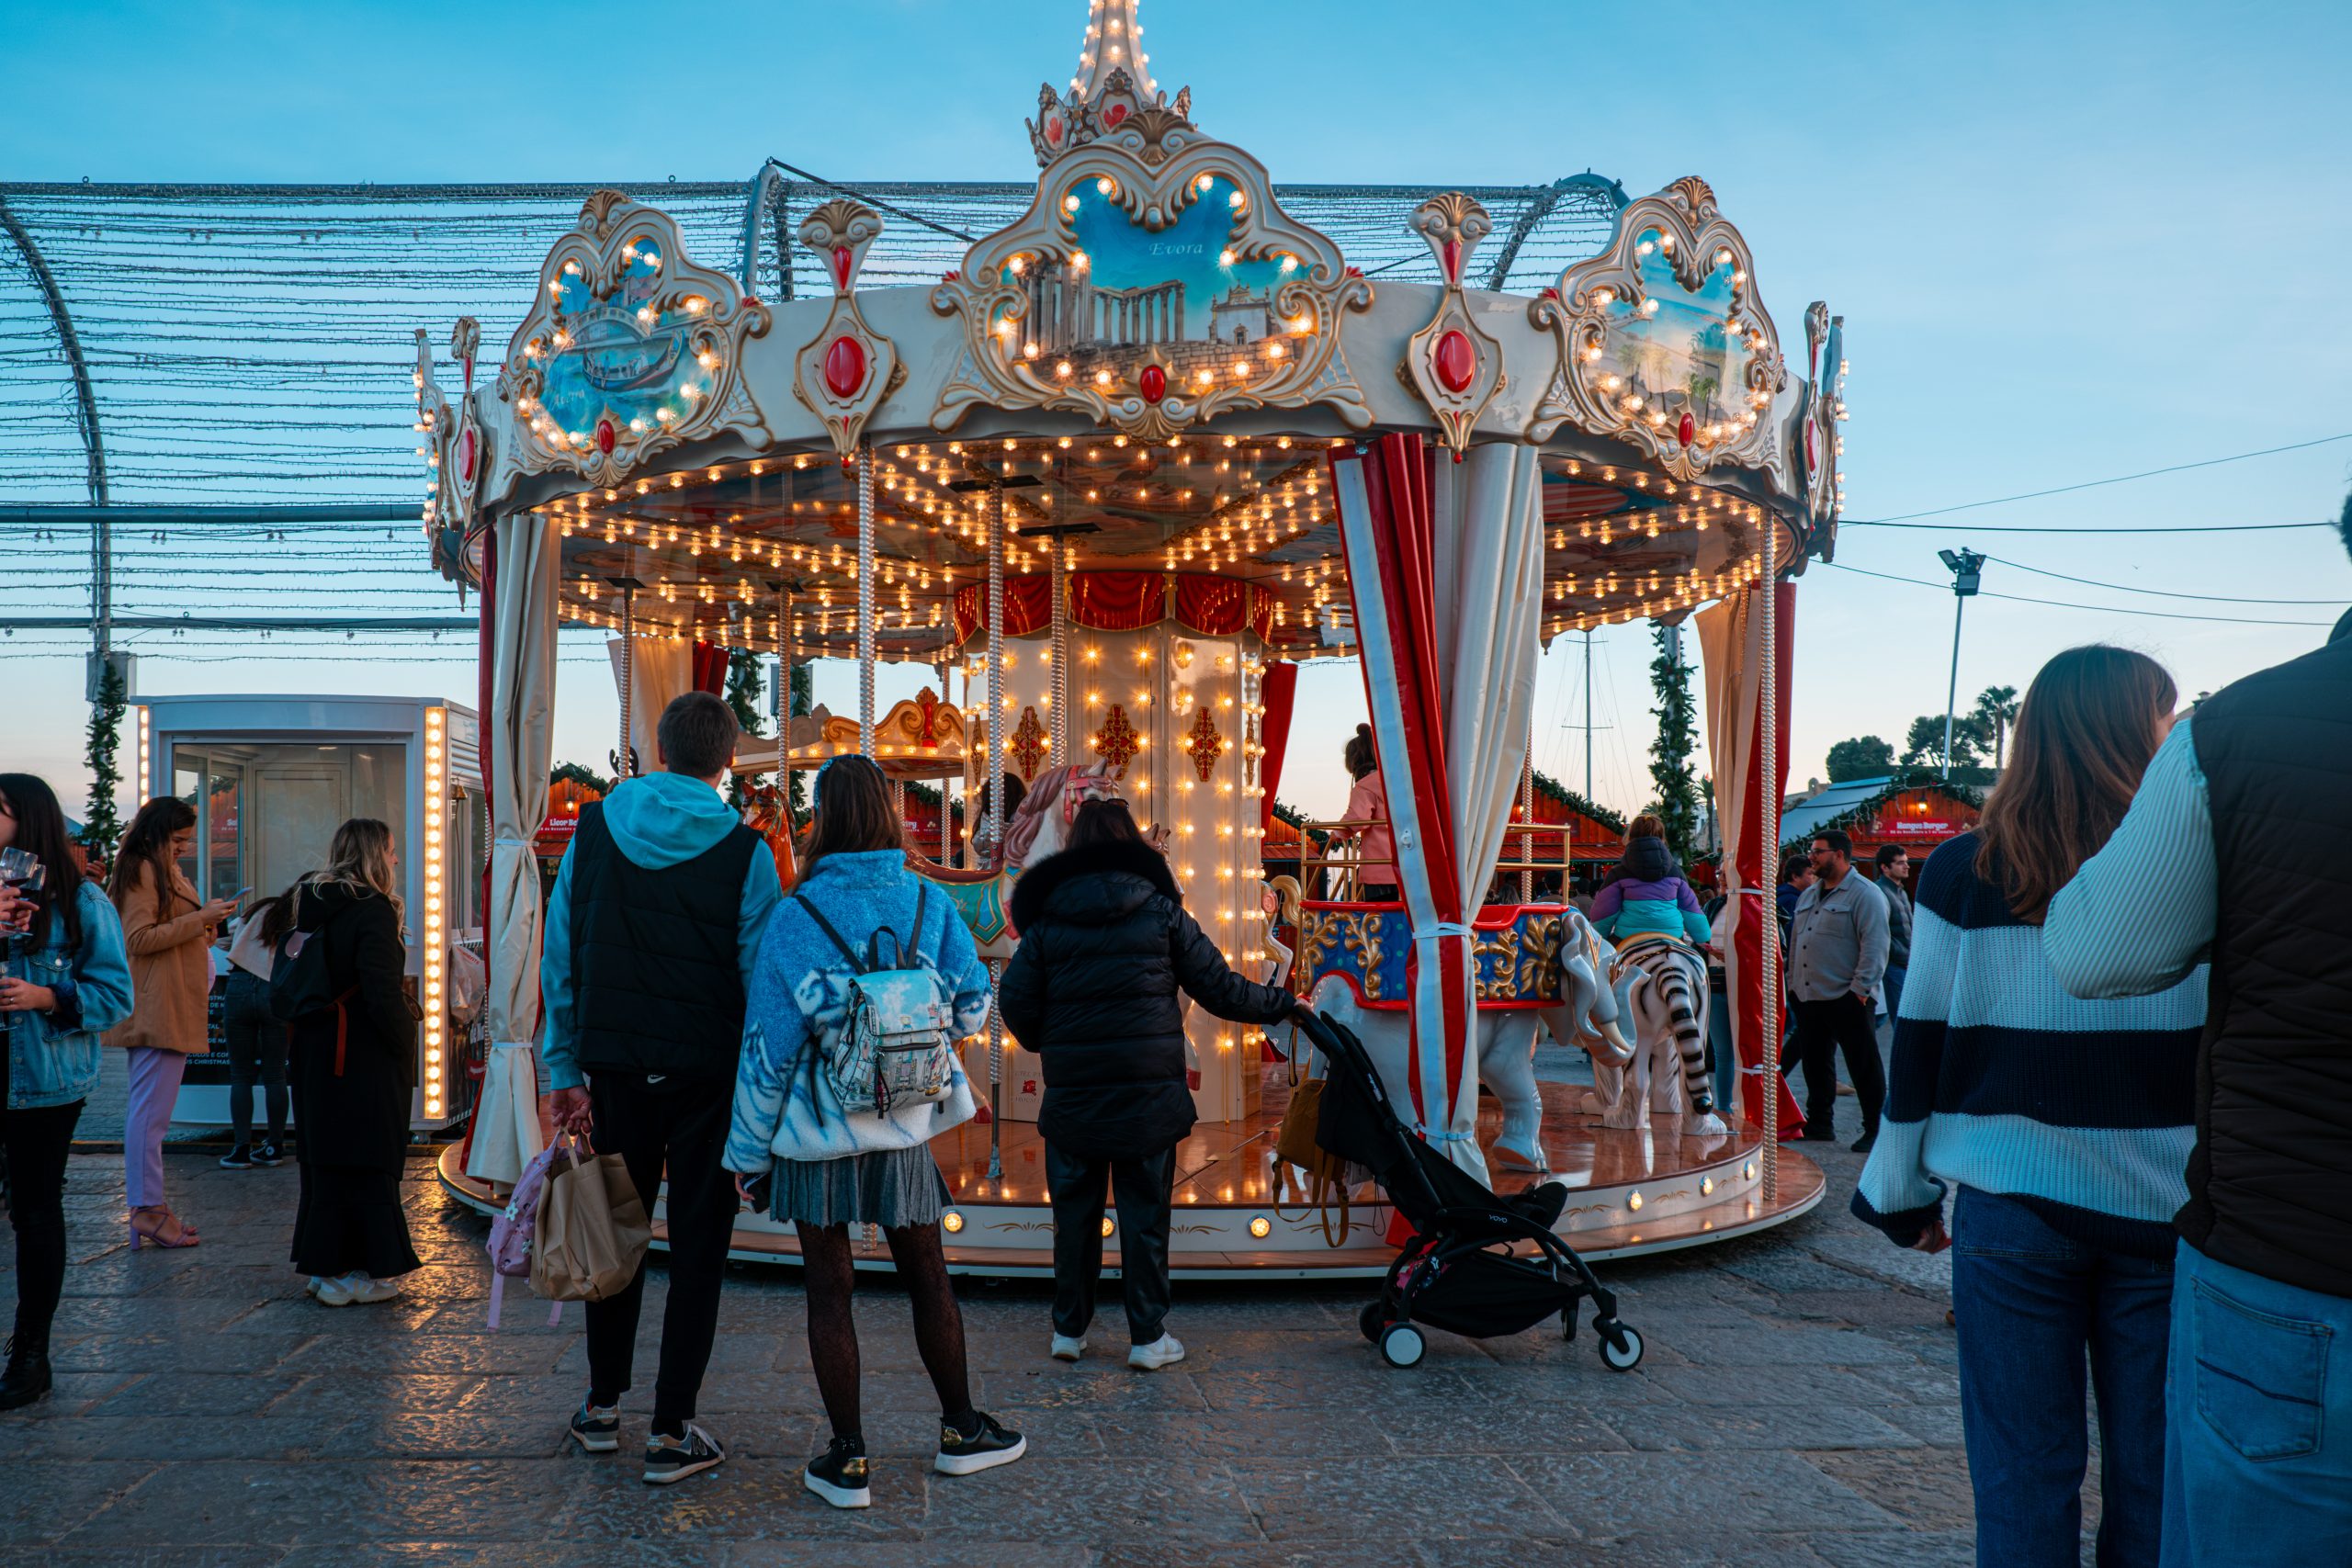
(334,1293)
(1164,1351)
(369,1292)
(1068,1349)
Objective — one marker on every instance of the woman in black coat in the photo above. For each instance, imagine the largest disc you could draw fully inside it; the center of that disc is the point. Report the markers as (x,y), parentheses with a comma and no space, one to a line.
(353,1071)
(1105,945)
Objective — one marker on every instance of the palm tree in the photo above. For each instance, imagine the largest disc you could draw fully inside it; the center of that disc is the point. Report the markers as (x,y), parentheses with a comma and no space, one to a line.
(1997,709)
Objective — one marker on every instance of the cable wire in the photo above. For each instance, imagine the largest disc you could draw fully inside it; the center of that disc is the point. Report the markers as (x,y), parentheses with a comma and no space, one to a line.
(2120,479)
(2068,604)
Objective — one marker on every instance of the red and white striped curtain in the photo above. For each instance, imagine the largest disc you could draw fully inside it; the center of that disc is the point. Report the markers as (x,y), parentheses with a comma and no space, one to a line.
(1445,569)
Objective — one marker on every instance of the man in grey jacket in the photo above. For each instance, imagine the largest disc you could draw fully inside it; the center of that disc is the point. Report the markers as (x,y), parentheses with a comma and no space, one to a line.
(1838,944)
(1893,876)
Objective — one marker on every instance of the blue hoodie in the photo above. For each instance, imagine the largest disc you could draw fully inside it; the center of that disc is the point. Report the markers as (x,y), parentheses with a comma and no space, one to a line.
(659,820)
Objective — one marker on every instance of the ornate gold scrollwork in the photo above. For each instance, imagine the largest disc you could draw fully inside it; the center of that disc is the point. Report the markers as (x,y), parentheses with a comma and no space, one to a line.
(598,373)
(1149,398)
(1604,303)
(1453,364)
(846,372)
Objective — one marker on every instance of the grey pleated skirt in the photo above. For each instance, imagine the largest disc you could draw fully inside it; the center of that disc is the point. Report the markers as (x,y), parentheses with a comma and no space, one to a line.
(892,1188)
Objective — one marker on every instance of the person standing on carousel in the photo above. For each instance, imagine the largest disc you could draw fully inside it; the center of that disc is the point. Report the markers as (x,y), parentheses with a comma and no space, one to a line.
(1106,945)
(2238,848)
(653,933)
(1368,804)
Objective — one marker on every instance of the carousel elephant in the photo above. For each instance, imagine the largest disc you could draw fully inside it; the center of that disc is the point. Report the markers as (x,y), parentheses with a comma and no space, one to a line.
(1585,1014)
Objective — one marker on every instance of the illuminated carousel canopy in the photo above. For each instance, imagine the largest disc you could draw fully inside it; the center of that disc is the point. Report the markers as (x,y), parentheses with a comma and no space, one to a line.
(1152,357)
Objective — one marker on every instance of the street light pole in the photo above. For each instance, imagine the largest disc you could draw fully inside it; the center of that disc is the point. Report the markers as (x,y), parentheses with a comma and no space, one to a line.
(1967,569)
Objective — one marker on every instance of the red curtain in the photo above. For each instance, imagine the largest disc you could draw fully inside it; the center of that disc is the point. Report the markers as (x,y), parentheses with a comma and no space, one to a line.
(709,668)
(1120,602)
(1279,695)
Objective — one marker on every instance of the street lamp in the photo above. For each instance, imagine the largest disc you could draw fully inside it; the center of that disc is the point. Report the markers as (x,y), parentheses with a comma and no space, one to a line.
(1967,575)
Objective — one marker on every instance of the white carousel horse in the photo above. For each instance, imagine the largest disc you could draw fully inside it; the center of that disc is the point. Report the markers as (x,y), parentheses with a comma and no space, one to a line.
(1039,827)
(1503,1039)
(1662,986)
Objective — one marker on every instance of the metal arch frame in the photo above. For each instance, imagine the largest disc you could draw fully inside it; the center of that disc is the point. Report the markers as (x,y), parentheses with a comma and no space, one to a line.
(1541,208)
(87,415)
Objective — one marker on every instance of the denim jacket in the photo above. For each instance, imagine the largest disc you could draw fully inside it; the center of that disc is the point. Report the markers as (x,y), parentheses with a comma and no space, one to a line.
(54,1056)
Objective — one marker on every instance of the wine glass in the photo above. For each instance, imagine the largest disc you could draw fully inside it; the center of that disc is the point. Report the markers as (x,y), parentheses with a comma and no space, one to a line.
(23,870)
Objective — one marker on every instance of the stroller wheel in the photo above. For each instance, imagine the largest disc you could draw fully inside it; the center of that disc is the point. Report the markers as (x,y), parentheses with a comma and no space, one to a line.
(1621,1347)
(1371,1321)
(1401,1345)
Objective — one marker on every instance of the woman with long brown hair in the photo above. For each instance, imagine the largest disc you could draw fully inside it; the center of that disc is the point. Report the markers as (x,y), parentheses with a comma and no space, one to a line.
(169,931)
(2065,1125)
(353,1071)
(830,1161)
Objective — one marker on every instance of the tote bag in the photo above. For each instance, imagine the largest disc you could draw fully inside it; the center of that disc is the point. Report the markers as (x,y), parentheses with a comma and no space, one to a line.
(592,1230)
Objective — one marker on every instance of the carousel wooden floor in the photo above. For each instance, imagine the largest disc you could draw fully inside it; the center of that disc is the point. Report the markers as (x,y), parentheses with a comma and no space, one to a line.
(1631,1192)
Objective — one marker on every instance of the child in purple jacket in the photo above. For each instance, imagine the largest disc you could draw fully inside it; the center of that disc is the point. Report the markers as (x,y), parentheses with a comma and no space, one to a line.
(1648,896)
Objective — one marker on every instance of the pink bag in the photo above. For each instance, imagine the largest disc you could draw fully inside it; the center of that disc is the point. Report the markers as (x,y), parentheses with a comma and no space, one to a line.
(512,1231)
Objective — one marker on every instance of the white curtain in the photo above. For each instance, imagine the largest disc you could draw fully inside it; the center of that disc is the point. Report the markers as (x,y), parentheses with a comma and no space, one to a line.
(1490,611)
(662,670)
(520,725)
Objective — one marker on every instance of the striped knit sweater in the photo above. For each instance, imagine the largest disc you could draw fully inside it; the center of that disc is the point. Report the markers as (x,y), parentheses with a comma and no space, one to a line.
(2004,1082)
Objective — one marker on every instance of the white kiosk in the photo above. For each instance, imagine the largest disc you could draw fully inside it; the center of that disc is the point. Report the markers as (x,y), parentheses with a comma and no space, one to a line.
(272,777)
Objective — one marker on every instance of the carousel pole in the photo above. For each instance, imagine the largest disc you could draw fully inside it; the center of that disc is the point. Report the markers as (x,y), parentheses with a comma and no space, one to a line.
(1527,819)
(624,759)
(946,813)
(784,640)
(996,813)
(866,601)
(1768,823)
(1061,654)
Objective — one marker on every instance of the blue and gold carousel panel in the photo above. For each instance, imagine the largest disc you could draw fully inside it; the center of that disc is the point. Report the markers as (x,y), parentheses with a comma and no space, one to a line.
(1680,356)
(1515,951)
(631,355)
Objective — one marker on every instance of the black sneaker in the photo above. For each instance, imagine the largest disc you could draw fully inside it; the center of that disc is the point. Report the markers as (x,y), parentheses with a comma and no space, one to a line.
(839,1475)
(1866,1143)
(239,1159)
(267,1154)
(598,1427)
(26,1378)
(984,1447)
(669,1458)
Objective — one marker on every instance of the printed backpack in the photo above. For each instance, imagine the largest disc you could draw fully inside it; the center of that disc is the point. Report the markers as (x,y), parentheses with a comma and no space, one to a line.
(897,1044)
(512,1231)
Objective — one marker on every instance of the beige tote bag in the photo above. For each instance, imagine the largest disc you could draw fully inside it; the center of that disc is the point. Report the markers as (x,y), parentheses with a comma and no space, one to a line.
(591,1232)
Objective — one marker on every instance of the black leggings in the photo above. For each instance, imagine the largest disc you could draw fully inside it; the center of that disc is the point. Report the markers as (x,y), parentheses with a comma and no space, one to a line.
(833,1330)
(35,1145)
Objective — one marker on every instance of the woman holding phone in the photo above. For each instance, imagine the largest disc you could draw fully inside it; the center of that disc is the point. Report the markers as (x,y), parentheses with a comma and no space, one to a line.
(169,932)
(69,980)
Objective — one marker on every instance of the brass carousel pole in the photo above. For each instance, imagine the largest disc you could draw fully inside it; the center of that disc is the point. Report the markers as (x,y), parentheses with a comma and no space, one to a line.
(1768,823)
(996,813)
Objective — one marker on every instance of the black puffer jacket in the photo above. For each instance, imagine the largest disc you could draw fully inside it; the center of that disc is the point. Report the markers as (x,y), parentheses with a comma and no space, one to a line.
(1104,945)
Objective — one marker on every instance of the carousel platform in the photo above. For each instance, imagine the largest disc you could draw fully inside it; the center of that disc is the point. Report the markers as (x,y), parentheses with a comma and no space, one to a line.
(1630,1193)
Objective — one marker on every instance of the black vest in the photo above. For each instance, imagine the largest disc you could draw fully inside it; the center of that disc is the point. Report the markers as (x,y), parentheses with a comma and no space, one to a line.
(2270,1182)
(657,986)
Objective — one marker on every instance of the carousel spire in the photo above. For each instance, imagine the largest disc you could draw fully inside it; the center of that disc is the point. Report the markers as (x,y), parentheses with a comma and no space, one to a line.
(1113,43)
(1113,93)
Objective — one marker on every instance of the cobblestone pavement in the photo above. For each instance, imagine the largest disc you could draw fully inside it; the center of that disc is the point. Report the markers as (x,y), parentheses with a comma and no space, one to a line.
(1798,1406)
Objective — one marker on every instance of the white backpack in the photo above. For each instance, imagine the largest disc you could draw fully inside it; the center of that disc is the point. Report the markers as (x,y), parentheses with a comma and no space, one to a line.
(897,1046)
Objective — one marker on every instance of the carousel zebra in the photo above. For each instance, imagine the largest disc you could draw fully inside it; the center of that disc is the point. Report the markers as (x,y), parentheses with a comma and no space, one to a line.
(1662,989)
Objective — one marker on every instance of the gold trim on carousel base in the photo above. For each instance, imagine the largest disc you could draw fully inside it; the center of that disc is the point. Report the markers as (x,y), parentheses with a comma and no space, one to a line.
(1630,1194)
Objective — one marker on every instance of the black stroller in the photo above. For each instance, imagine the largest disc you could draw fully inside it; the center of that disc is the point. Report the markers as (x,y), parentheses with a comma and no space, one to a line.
(1461,1271)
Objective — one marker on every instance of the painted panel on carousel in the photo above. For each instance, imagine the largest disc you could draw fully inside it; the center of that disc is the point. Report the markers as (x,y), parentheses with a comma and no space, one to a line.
(1661,339)
(1154,281)
(630,348)
(1819,443)
(1516,949)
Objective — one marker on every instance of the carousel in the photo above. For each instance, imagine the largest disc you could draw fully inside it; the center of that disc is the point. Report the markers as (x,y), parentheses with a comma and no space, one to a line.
(1152,444)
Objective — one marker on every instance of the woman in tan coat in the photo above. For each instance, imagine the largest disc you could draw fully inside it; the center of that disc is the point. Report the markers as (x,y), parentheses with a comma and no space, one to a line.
(169,932)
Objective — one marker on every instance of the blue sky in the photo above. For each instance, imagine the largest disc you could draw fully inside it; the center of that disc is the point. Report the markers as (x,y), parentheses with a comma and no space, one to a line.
(2069,242)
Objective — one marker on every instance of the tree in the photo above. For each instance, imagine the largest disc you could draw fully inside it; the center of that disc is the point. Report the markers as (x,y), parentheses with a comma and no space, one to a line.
(101,825)
(1997,709)
(1670,769)
(1923,744)
(1863,757)
(743,688)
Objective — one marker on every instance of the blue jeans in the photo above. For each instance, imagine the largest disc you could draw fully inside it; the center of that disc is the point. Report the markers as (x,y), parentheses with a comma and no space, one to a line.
(2259,1436)
(2034,1308)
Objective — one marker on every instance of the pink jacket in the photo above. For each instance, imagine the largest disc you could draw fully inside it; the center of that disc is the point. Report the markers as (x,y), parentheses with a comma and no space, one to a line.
(1369,800)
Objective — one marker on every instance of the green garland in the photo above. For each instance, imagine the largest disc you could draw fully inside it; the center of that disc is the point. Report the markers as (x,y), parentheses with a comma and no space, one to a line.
(1546,785)
(103,827)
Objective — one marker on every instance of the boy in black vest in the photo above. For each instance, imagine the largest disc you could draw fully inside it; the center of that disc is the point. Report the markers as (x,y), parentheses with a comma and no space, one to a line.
(651,936)
(2239,846)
